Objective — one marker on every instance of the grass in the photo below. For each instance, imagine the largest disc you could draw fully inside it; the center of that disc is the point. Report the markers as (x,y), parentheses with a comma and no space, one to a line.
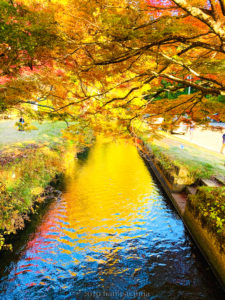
(22,181)
(29,160)
(47,132)
(200,163)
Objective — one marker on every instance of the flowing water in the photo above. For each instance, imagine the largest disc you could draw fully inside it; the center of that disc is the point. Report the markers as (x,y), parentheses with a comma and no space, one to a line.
(112,235)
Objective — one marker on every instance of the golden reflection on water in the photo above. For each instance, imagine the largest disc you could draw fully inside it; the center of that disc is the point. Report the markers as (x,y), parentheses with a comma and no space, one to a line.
(107,197)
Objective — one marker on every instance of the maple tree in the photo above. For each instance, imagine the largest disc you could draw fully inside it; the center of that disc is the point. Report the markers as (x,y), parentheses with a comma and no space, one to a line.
(120,64)
(27,37)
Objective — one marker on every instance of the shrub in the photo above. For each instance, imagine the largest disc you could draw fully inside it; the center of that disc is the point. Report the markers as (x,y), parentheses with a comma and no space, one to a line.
(22,180)
(209,206)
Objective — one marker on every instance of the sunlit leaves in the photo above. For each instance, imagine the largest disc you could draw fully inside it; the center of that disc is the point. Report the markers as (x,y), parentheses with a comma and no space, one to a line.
(112,62)
(23,34)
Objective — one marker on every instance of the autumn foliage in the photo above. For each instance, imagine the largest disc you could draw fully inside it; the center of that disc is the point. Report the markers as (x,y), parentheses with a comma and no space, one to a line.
(116,65)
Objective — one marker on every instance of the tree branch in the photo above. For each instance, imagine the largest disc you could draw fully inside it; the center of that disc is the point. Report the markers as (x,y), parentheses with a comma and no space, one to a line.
(200,15)
(222,6)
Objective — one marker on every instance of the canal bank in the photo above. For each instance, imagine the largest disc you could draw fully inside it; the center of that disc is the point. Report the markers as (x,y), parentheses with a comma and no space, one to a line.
(112,234)
(207,242)
(26,174)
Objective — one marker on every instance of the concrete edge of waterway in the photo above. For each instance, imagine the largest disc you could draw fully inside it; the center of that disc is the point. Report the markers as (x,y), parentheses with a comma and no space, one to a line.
(205,241)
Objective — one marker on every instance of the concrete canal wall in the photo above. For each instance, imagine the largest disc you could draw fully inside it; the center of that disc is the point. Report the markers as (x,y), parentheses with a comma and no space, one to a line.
(205,240)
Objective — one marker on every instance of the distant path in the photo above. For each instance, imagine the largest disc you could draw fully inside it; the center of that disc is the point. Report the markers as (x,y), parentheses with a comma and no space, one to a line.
(211,140)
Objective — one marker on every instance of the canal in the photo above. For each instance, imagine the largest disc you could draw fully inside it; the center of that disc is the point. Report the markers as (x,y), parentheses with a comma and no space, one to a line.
(112,235)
